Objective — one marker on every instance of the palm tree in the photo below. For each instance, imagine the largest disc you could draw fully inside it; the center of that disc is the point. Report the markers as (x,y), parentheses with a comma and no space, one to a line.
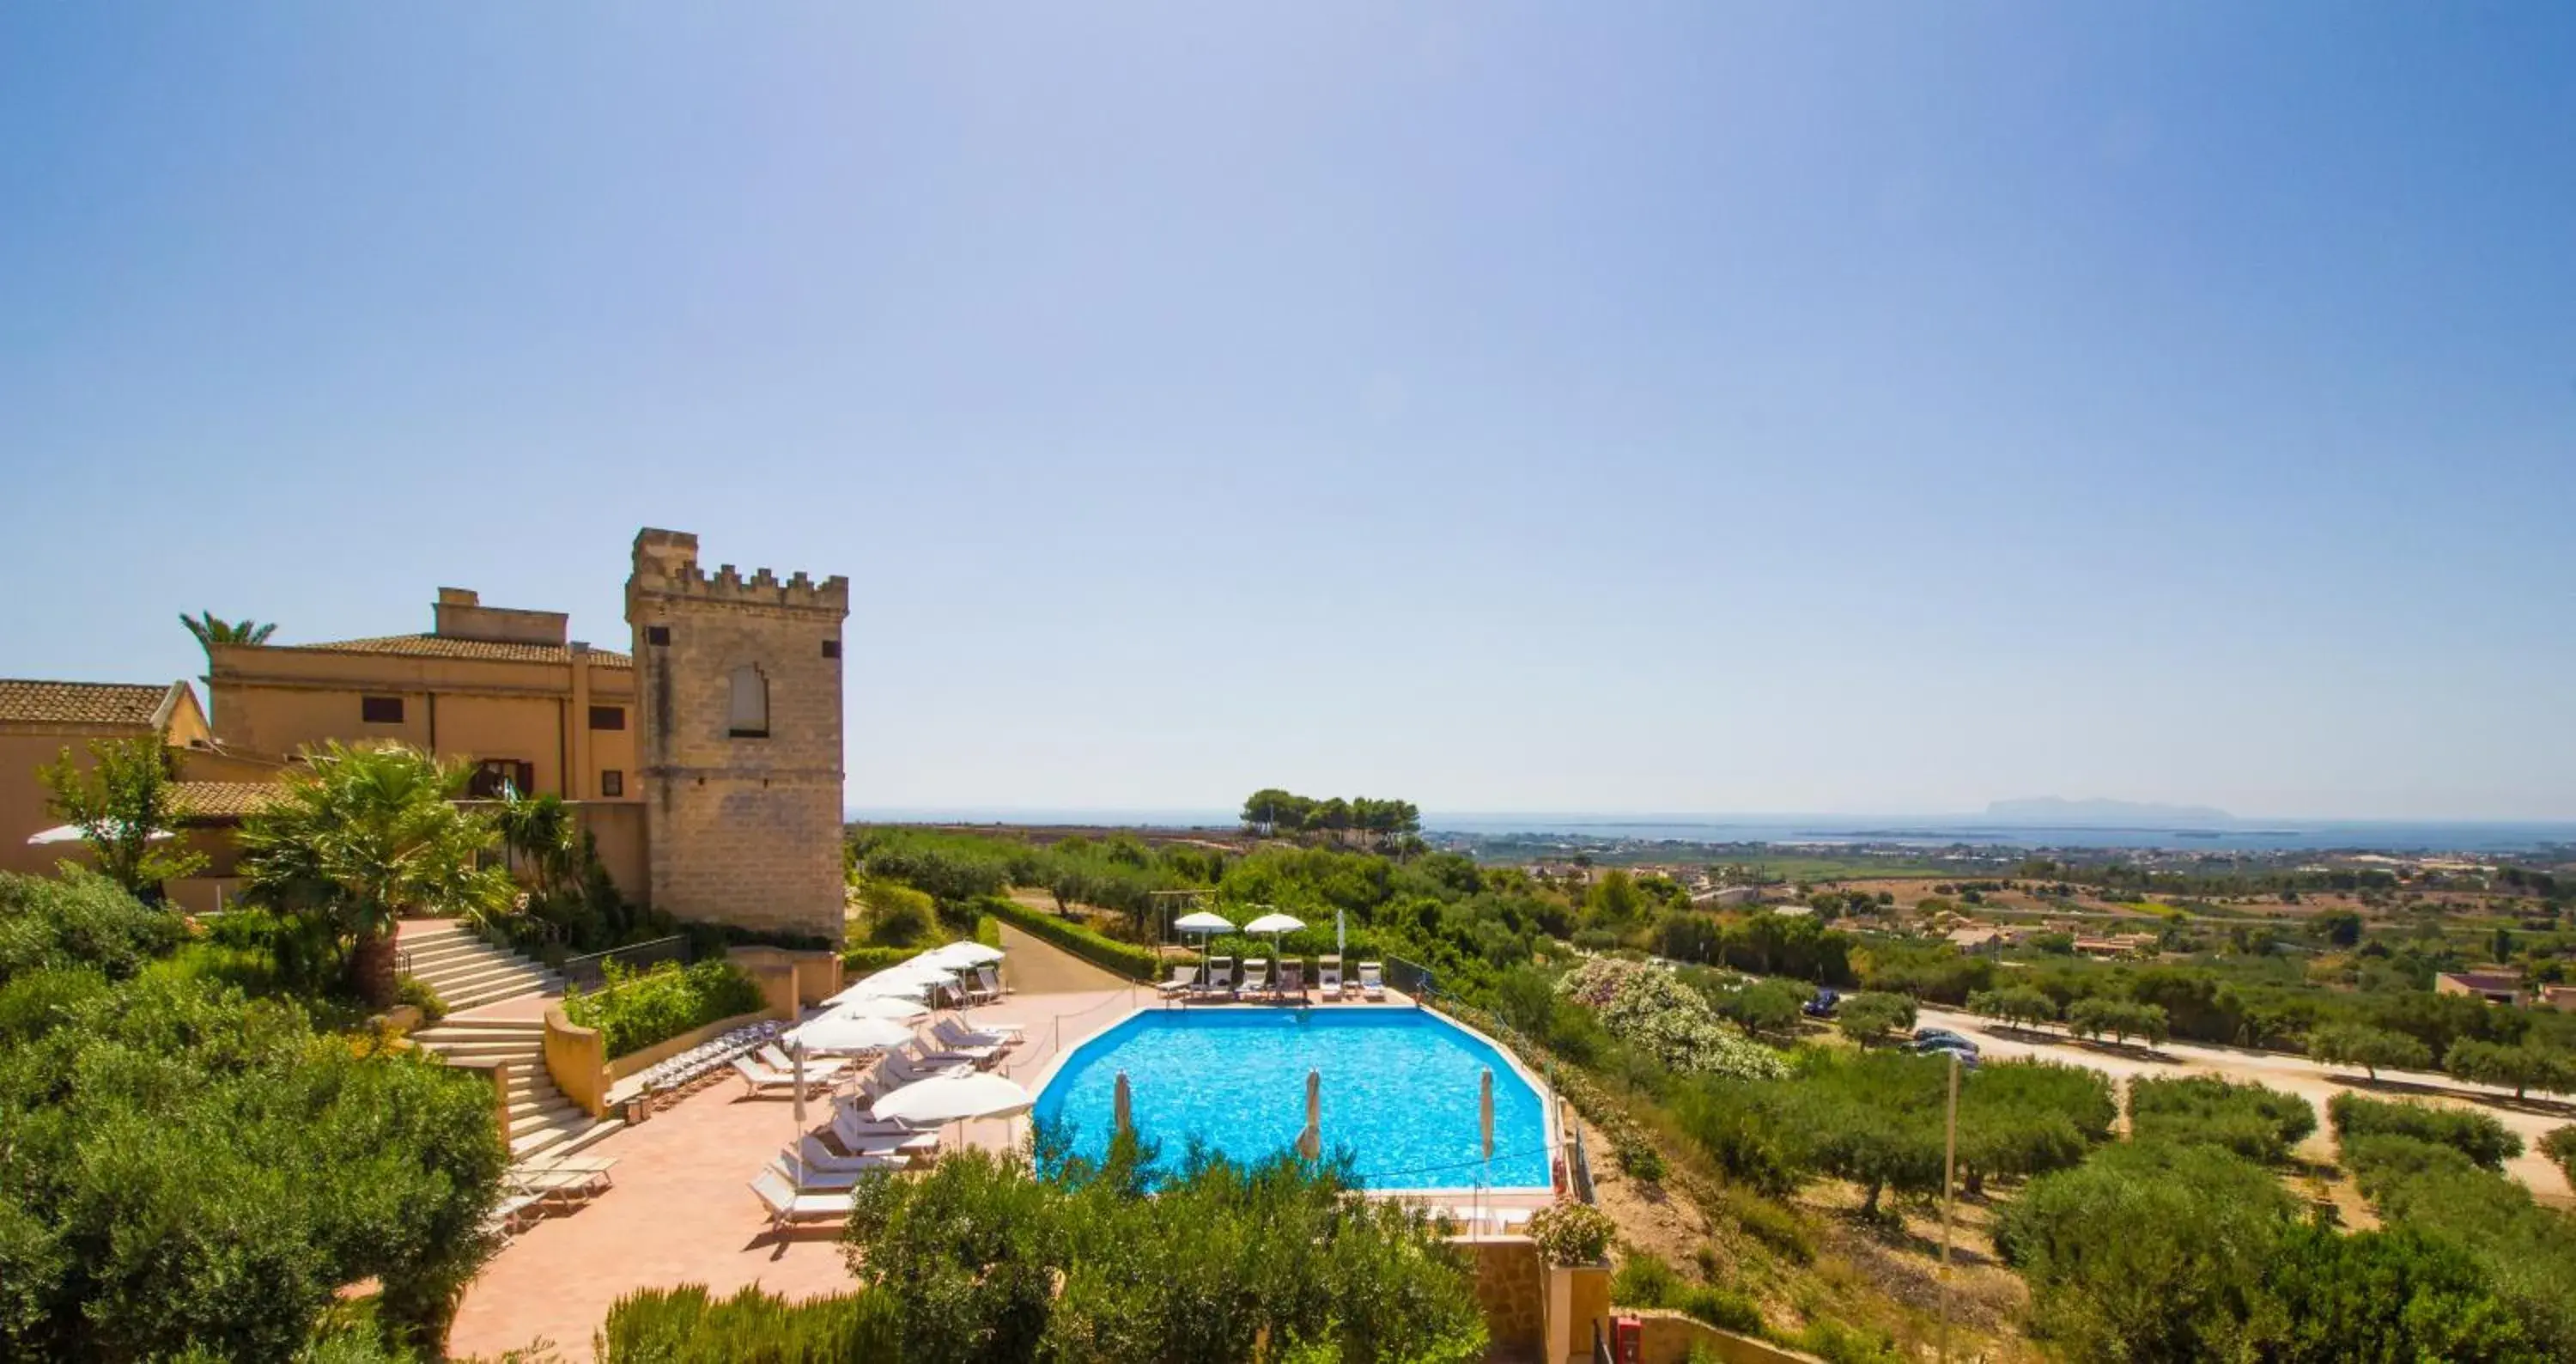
(211,630)
(369,835)
(541,830)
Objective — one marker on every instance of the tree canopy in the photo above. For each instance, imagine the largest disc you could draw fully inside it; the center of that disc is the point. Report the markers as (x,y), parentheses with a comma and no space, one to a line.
(126,808)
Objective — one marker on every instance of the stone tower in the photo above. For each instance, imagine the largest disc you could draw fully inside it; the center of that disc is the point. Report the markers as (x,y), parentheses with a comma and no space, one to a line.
(738,690)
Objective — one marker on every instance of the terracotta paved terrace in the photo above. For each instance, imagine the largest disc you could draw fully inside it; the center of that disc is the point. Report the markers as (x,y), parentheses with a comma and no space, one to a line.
(681,1210)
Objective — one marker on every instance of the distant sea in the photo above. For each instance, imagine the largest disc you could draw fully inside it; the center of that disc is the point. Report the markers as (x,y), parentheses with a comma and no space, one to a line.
(1913,831)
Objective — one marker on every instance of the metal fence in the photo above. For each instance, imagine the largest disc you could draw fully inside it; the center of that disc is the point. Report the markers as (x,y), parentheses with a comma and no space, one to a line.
(590,972)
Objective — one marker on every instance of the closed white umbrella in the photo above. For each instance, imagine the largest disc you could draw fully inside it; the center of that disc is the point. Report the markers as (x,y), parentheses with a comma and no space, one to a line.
(954,1098)
(1310,1143)
(836,1032)
(1122,1107)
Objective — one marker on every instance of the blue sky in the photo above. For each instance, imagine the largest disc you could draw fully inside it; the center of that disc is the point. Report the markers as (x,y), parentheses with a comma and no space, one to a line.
(1828,407)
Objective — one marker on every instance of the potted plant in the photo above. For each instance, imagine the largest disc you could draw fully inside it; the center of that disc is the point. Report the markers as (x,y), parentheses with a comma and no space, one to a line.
(1574,1243)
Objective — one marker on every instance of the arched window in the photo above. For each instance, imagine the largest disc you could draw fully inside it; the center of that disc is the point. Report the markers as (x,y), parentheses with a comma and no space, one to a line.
(749,714)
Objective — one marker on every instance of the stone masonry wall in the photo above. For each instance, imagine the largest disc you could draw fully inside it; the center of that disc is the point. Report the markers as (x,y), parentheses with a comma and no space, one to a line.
(742,830)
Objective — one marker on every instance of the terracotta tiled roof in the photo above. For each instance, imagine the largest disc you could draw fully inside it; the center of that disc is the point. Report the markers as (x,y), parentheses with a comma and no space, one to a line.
(82,703)
(440,646)
(217,799)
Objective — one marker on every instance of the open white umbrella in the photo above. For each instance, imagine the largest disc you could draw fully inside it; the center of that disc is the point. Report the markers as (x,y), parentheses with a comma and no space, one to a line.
(961,955)
(1203,923)
(1275,922)
(838,1032)
(73,833)
(896,1007)
(954,1098)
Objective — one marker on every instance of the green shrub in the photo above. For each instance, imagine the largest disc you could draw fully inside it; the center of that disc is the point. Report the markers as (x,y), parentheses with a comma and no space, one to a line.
(1647,1008)
(2560,1147)
(895,915)
(1837,1343)
(2248,1119)
(1770,1223)
(419,994)
(1572,1233)
(685,1326)
(189,1169)
(1645,1280)
(1639,1157)
(859,961)
(1867,1017)
(2479,1136)
(1126,959)
(634,1010)
(2527,1251)
(1724,1308)
(79,918)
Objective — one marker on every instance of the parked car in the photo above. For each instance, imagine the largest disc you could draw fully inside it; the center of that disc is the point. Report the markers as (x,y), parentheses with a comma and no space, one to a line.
(1960,1047)
(1943,1035)
(1824,1004)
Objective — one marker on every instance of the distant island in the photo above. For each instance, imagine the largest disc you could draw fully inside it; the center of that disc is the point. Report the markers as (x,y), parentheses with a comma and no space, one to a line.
(2059,812)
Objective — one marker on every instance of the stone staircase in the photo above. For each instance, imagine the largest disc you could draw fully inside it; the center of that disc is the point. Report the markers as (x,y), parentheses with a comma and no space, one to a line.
(465,970)
(542,1121)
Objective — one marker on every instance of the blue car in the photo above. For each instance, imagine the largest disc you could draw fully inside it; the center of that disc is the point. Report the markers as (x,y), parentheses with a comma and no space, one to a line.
(1824,1004)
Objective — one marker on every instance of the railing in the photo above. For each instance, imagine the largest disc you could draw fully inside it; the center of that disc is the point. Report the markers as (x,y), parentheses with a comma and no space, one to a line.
(1020,1067)
(591,971)
(1578,1166)
(1601,1345)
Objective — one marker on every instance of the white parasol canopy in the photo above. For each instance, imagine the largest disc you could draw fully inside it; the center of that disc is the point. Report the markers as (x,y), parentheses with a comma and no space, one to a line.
(72,833)
(1202,921)
(960,955)
(845,1033)
(896,1007)
(1275,922)
(954,1098)
(905,981)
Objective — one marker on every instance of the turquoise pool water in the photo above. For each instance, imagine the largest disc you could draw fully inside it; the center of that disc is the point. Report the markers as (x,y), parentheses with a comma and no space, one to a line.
(1399,1091)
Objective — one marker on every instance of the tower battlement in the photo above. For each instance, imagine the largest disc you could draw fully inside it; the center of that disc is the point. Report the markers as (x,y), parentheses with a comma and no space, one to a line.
(666,563)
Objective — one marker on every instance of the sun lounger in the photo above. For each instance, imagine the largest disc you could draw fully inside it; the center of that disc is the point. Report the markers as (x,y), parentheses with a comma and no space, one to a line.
(991,980)
(512,1214)
(809,1180)
(1328,977)
(1256,977)
(790,1206)
(760,1079)
(568,1186)
(979,990)
(851,1119)
(816,1067)
(953,1034)
(1292,977)
(1220,977)
(857,1138)
(1184,978)
(1372,983)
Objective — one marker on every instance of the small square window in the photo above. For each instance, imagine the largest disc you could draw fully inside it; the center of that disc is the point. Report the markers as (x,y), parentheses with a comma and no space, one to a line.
(608,717)
(380,710)
(657,634)
(612,782)
(831,648)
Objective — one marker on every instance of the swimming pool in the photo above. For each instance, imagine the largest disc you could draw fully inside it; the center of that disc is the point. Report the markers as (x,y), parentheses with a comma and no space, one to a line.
(1399,1091)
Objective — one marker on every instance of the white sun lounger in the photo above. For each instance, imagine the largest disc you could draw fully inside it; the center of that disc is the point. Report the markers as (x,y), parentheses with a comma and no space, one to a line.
(858,1141)
(1372,986)
(1328,977)
(991,980)
(760,1079)
(816,1067)
(1220,977)
(789,1206)
(1256,977)
(1184,978)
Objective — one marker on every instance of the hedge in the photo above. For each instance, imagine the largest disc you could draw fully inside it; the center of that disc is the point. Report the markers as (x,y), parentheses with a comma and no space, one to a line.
(634,1010)
(861,960)
(1127,959)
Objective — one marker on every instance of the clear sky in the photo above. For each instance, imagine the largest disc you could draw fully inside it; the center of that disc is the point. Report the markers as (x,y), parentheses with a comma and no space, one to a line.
(1690,407)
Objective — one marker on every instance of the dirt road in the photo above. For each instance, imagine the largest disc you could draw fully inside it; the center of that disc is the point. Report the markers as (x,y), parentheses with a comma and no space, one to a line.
(2296,1074)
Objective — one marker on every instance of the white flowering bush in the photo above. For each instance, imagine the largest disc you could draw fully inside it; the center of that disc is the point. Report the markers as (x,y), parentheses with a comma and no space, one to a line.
(1647,1008)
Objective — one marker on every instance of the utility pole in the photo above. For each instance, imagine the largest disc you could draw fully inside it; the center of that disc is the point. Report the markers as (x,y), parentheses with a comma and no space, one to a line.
(1949,1175)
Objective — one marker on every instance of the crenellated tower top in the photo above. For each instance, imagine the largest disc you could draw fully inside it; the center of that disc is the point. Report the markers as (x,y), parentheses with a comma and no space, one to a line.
(666,564)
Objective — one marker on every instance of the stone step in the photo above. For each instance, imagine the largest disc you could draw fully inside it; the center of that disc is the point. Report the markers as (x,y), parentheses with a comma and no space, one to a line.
(553,1137)
(453,1027)
(491,1051)
(478,998)
(457,954)
(465,978)
(555,1115)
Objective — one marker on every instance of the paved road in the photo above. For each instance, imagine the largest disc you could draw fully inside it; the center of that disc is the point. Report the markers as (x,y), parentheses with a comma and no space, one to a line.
(2297,1074)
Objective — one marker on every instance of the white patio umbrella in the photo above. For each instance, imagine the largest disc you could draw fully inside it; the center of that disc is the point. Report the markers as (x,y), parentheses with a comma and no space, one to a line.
(903,981)
(1275,922)
(896,1007)
(1203,923)
(839,1032)
(962,954)
(954,1098)
(72,833)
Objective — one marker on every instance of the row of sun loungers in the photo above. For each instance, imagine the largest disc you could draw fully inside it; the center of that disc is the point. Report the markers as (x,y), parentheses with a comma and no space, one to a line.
(808,1184)
(1219,981)
(547,1184)
(706,1061)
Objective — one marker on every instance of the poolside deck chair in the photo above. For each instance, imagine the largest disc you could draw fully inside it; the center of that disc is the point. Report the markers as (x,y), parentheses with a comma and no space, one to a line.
(856,1137)
(776,1058)
(1292,977)
(512,1215)
(979,990)
(1220,977)
(809,1180)
(991,979)
(1328,977)
(954,1034)
(759,1079)
(1372,981)
(791,1207)
(852,1119)
(1184,979)
(1256,977)
(901,1069)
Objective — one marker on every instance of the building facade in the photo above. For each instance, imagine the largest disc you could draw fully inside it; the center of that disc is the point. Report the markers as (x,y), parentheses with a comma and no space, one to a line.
(39,720)
(738,684)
